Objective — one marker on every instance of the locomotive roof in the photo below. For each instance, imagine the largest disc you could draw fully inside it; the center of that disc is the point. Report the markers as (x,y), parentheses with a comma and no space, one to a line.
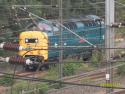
(73,22)
(89,18)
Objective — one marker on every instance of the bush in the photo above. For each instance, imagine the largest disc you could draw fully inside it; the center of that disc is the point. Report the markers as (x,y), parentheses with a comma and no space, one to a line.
(70,68)
(43,88)
(96,58)
(121,70)
(6,80)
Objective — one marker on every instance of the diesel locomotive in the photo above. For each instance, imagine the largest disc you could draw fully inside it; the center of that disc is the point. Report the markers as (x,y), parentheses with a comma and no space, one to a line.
(75,33)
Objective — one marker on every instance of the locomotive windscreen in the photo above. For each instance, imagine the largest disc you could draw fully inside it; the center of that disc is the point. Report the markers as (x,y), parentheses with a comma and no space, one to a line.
(33,40)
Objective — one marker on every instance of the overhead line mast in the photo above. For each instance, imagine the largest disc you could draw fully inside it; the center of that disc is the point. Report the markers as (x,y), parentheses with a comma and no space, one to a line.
(60,29)
(109,19)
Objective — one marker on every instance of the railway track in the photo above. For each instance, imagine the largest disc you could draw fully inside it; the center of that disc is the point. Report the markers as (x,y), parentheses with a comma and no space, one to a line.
(96,74)
(93,77)
(31,74)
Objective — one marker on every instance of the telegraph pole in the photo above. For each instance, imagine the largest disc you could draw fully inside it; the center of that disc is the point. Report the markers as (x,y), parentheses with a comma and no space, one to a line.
(109,19)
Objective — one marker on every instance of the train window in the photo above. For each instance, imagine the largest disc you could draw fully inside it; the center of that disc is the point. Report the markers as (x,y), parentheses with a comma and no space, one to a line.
(31,40)
(66,25)
(80,24)
(85,23)
(74,25)
(70,25)
(90,24)
(94,24)
(98,22)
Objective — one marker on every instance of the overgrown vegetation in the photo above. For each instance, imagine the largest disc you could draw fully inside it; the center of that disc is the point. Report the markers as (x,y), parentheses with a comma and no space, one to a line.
(29,87)
(70,68)
(71,7)
(121,70)
(52,73)
(97,56)
(6,80)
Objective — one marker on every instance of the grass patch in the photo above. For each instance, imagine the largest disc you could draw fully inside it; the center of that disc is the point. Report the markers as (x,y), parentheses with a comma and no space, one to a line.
(6,80)
(29,87)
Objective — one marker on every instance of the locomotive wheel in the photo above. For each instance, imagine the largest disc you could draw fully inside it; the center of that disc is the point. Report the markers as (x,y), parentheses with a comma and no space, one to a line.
(87,56)
(30,67)
(85,59)
(34,67)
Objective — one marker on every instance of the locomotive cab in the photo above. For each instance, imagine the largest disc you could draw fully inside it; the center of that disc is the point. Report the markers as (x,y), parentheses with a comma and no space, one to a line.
(36,43)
